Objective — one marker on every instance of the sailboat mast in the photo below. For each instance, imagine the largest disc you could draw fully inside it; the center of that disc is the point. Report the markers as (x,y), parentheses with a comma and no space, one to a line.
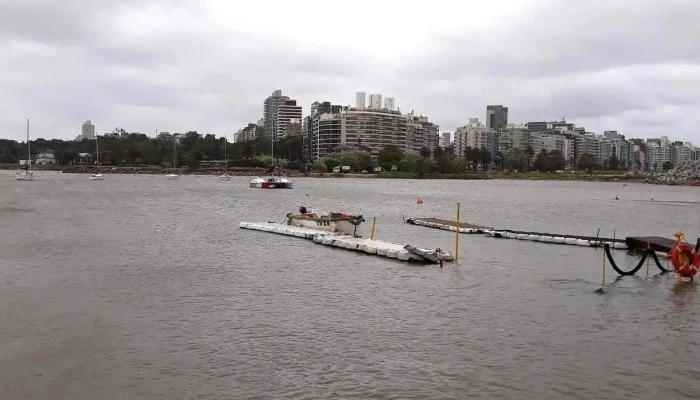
(97,153)
(29,149)
(225,156)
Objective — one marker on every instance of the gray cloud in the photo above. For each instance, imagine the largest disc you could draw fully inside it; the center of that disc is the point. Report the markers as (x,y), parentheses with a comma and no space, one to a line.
(632,66)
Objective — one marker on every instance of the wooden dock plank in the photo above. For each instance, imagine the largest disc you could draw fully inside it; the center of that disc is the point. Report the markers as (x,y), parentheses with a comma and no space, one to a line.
(656,243)
(464,225)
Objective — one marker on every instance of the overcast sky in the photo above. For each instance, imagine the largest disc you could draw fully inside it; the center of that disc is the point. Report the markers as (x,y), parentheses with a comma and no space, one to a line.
(207,65)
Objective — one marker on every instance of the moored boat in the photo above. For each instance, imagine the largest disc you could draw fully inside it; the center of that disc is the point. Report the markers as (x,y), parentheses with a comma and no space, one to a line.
(333,222)
(25,172)
(272,182)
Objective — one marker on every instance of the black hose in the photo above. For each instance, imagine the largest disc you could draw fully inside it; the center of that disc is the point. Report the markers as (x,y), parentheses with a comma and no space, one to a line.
(618,270)
(656,260)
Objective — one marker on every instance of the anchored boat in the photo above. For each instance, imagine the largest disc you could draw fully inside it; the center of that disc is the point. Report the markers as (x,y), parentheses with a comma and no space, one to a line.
(332,222)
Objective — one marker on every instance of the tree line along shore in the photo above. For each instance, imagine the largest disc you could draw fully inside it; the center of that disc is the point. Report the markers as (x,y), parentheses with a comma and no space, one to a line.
(131,153)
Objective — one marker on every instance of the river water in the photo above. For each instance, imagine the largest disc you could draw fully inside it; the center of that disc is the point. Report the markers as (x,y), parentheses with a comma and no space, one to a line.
(106,293)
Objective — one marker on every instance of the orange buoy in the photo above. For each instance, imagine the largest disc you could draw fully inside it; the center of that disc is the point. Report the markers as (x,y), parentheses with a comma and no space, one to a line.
(419,201)
(686,262)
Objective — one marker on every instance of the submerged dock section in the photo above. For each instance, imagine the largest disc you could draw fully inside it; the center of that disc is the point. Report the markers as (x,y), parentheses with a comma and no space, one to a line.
(447,225)
(356,243)
(554,238)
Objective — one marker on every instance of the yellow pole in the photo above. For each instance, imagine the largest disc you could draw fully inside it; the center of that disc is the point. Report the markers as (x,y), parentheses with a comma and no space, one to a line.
(603,267)
(457,235)
(374,224)
(648,249)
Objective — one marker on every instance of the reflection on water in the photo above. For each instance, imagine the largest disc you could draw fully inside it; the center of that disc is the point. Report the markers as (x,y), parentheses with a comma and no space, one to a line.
(107,293)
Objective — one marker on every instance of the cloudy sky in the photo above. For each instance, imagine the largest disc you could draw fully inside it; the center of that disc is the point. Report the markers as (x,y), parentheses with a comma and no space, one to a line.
(207,65)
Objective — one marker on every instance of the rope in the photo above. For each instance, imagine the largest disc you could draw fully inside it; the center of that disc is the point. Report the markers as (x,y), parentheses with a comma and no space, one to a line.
(647,253)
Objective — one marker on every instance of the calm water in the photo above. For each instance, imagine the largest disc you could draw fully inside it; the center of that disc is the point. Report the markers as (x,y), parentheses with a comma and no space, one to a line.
(106,293)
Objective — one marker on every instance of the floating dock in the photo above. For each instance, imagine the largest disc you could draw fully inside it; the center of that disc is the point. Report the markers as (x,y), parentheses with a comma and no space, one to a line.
(447,225)
(655,243)
(359,244)
(555,238)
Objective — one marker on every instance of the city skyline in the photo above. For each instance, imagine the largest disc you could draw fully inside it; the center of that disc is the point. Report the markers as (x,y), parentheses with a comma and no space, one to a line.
(131,75)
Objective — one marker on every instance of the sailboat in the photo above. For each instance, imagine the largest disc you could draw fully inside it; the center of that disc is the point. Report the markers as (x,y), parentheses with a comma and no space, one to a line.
(97,176)
(172,176)
(225,176)
(272,182)
(25,170)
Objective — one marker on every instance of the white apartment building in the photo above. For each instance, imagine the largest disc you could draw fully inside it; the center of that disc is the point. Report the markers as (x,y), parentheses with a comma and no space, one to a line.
(375,101)
(360,100)
(471,135)
(286,112)
(682,153)
(513,137)
(551,142)
(88,131)
(389,103)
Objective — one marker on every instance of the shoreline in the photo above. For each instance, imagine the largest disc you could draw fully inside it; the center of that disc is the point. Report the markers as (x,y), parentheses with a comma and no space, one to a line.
(251,172)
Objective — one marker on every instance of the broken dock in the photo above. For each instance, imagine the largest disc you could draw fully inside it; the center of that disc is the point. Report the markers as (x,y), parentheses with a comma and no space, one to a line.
(356,243)
(655,243)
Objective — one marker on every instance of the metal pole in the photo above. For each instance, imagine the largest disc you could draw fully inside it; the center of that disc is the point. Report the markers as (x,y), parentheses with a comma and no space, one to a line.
(648,249)
(457,235)
(603,266)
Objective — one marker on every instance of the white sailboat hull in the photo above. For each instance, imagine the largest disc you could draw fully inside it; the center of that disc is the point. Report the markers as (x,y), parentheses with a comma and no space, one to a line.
(172,177)
(96,177)
(271,183)
(24,176)
(225,177)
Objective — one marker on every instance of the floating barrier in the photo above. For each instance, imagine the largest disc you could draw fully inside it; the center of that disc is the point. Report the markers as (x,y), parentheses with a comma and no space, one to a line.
(359,244)
(556,239)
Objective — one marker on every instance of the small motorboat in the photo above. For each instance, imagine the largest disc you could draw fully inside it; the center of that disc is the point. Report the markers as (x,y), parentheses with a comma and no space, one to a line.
(333,222)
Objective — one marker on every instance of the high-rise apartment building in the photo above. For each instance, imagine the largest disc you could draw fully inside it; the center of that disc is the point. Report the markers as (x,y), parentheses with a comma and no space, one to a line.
(389,103)
(375,101)
(270,107)
(361,100)
(324,131)
(421,133)
(496,117)
(445,139)
(286,112)
(88,130)
(471,135)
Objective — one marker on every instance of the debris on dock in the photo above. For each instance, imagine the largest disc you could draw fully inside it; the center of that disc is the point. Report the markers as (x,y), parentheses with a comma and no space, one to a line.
(356,243)
(447,225)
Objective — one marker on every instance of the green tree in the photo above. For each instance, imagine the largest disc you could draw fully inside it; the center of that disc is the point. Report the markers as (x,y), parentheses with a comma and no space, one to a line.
(425,152)
(588,163)
(614,163)
(556,161)
(542,161)
(390,155)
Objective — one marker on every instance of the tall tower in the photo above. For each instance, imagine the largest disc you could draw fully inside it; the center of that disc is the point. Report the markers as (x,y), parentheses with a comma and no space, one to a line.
(88,130)
(375,101)
(360,100)
(496,117)
(270,106)
(389,103)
